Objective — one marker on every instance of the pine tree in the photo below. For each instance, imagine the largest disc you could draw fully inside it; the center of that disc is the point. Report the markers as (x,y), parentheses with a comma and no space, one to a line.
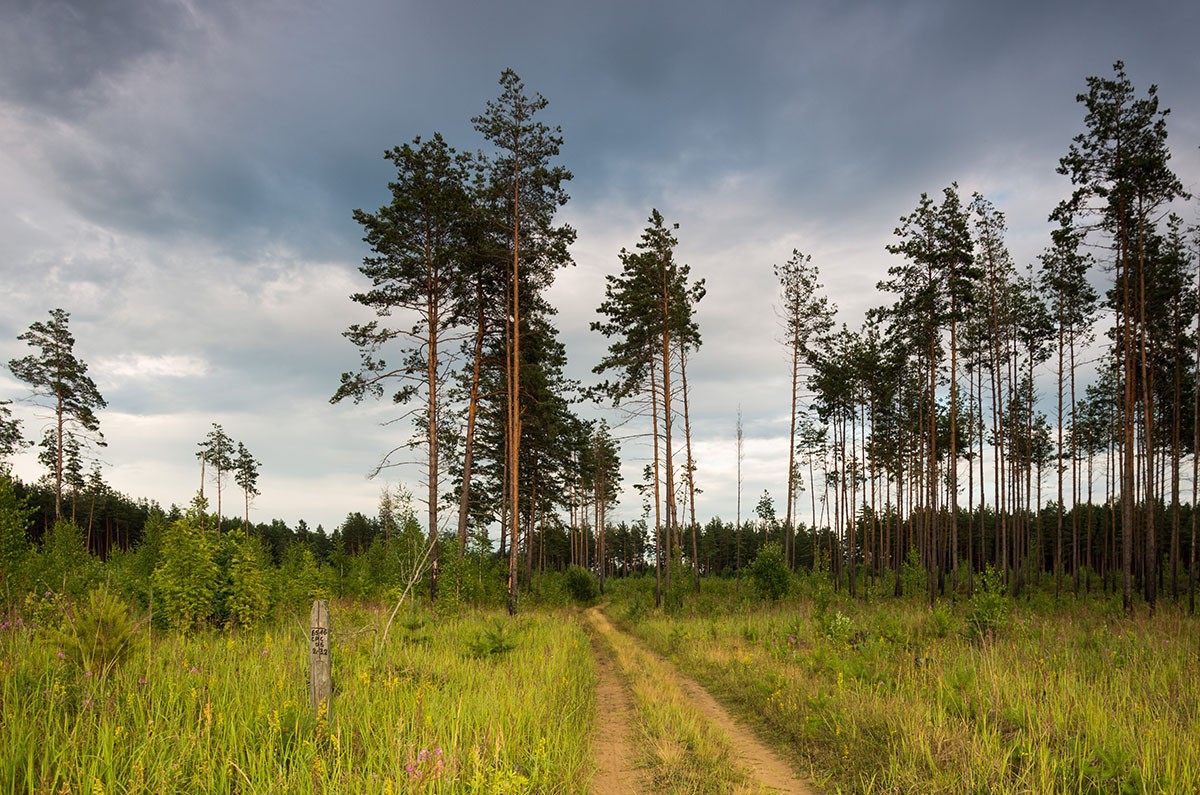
(523,181)
(417,270)
(1119,167)
(11,440)
(56,375)
(807,316)
(246,475)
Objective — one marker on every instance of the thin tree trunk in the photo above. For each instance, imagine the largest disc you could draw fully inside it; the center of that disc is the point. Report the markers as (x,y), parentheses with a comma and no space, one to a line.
(691,466)
(469,442)
(514,387)
(658,529)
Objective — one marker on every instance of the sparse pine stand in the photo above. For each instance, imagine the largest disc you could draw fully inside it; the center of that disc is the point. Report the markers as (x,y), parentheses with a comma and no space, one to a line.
(320,680)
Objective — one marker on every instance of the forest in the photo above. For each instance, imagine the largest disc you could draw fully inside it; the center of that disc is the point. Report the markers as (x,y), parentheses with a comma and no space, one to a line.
(999,465)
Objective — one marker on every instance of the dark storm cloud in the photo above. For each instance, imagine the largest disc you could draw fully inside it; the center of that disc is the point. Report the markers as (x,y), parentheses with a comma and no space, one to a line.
(55,55)
(181,175)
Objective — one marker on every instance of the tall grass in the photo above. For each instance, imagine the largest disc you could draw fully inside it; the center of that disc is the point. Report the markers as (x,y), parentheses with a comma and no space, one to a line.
(230,712)
(894,697)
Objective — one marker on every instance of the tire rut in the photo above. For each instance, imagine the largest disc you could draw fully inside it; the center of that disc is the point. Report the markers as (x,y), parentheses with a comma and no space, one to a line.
(765,766)
(612,746)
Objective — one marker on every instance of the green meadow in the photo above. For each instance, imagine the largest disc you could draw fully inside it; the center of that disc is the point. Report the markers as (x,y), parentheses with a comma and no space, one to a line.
(983,695)
(467,703)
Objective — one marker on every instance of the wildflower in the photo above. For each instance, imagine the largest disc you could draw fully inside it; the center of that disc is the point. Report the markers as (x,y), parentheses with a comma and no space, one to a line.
(193,670)
(141,680)
(60,655)
(5,625)
(265,652)
(88,674)
(48,594)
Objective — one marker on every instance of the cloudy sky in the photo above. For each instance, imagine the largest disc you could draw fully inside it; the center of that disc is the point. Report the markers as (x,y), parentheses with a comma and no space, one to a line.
(179,175)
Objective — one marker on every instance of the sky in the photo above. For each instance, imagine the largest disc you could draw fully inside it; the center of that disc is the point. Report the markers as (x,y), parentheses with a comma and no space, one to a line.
(180,177)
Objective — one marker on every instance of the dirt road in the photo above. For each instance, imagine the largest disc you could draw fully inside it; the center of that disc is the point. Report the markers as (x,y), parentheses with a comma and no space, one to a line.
(616,756)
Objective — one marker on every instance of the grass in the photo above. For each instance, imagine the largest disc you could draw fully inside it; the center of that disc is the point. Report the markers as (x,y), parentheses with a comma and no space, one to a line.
(221,712)
(892,697)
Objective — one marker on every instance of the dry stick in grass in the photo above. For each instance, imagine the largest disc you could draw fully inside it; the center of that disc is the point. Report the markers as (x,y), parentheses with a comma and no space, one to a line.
(416,575)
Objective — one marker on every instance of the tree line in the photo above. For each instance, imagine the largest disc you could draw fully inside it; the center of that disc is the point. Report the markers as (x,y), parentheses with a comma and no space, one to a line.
(942,388)
(925,437)
(923,433)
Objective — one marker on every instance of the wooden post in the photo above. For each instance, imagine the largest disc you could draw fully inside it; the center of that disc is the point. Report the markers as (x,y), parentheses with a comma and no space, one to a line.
(320,681)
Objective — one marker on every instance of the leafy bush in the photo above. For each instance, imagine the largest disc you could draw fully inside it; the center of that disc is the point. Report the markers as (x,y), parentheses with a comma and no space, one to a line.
(837,626)
(582,585)
(14,520)
(770,573)
(98,636)
(941,621)
(186,576)
(989,608)
(913,576)
(300,580)
(63,563)
(249,576)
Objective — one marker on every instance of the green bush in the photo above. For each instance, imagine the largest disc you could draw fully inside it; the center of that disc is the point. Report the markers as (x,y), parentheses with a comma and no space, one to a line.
(185,579)
(836,626)
(249,580)
(770,573)
(300,580)
(63,563)
(98,635)
(913,577)
(491,641)
(941,621)
(14,543)
(989,607)
(582,585)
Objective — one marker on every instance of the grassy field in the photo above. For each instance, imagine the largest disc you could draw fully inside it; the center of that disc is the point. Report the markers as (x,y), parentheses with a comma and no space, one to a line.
(463,704)
(870,696)
(891,696)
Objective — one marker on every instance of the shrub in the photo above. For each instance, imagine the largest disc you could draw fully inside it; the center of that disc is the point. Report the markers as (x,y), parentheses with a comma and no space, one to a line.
(913,577)
(300,580)
(990,607)
(98,636)
(63,563)
(14,520)
(249,572)
(941,621)
(491,641)
(836,626)
(186,576)
(770,573)
(582,585)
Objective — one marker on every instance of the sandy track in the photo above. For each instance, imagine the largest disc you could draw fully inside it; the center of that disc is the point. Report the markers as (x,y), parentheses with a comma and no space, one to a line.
(612,745)
(615,774)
